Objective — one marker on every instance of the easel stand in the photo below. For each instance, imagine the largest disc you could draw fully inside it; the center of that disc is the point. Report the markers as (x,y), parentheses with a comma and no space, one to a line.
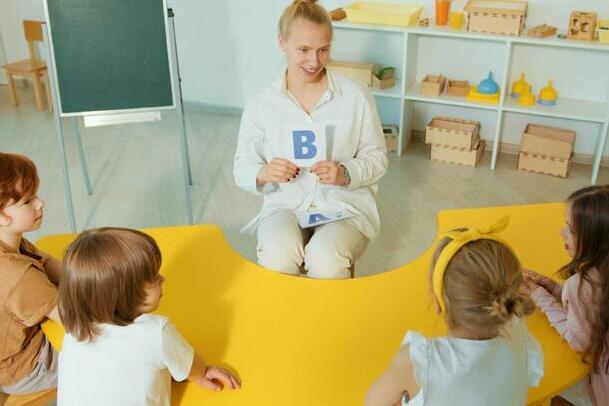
(176,80)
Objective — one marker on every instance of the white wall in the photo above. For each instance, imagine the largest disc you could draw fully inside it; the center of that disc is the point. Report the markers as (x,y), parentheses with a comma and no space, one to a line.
(228,52)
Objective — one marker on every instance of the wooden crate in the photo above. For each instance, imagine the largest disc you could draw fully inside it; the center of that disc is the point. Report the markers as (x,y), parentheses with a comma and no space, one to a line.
(381,84)
(544,164)
(362,71)
(505,17)
(456,155)
(390,132)
(458,88)
(548,141)
(453,132)
(433,85)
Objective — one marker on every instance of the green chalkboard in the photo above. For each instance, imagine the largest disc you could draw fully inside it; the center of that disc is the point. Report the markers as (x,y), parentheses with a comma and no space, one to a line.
(110,55)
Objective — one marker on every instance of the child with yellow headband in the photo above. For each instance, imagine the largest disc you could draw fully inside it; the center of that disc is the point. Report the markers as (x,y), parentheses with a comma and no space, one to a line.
(488,357)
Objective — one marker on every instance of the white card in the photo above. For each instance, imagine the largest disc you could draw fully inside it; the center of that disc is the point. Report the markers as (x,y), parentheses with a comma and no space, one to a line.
(304,144)
(313,218)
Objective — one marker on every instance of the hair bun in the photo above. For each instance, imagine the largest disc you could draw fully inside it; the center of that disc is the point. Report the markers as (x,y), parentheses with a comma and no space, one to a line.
(511,304)
(304,1)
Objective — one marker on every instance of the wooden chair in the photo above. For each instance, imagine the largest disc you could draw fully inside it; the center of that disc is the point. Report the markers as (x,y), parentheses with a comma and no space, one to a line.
(34,67)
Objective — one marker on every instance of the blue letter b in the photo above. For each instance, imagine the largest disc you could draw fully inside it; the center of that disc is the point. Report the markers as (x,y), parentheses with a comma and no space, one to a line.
(304,144)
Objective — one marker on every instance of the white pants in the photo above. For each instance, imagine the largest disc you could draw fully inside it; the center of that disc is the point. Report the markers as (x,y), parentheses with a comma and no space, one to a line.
(579,394)
(328,251)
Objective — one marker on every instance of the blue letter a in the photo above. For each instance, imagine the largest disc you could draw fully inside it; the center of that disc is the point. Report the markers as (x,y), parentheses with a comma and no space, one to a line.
(304,144)
(315,218)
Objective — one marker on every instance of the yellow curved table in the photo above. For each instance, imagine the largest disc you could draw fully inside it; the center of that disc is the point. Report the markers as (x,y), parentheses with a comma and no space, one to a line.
(307,342)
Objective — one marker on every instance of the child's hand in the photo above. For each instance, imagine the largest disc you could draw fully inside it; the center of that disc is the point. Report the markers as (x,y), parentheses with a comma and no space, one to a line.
(539,279)
(216,379)
(528,286)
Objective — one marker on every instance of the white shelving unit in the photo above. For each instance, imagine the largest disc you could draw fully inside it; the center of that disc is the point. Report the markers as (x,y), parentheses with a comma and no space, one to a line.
(407,92)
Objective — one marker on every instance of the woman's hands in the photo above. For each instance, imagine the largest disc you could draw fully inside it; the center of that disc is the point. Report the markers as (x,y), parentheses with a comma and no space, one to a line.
(279,170)
(329,173)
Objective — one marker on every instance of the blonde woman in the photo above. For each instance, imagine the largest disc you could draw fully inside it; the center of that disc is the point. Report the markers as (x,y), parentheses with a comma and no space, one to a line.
(344,181)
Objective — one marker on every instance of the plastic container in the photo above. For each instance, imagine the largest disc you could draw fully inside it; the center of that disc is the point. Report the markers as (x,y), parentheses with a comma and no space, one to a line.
(442,9)
(403,15)
(456,19)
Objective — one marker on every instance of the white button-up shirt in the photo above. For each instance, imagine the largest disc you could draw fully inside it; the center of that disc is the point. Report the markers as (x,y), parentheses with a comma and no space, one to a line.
(355,139)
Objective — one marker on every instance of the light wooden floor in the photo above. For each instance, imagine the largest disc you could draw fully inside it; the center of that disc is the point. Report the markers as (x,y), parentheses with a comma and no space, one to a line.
(136,173)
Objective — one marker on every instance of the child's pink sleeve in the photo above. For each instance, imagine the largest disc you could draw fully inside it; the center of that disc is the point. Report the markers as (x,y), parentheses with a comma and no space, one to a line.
(568,317)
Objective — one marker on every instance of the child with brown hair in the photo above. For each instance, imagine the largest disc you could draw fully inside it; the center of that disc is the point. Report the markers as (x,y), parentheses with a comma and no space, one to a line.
(115,352)
(488,358)
(579,308)
(28,279)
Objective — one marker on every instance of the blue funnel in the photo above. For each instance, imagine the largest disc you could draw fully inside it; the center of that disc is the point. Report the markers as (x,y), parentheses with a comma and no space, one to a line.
(488,85)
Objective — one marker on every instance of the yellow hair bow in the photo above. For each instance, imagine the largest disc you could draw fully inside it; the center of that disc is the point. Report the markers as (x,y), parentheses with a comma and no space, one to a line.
(458,240)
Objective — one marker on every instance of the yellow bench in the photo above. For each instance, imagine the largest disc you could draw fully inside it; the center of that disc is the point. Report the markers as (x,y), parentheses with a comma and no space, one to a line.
(306,342)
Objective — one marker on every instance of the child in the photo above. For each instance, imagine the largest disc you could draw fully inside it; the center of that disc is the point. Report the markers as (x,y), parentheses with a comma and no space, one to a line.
(574,308)
(115,352)
(488,358)
(28,279)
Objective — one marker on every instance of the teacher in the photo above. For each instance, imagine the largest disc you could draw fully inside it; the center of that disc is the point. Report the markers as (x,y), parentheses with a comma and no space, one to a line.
(340,188)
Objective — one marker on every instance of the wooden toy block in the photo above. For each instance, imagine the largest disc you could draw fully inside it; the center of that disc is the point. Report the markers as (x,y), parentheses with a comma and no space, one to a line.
(544,164)
(581,25)
(547,141)
(424,22)
(362,71)
(381,84)
(458,88)
(456,155)
(337,14)
(453,132)
(504,17)
(433,85)
(541,31)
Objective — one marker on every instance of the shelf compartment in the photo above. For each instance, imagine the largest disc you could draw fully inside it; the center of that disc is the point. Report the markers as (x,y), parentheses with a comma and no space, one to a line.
(571,109)
(414,93)
(394,91)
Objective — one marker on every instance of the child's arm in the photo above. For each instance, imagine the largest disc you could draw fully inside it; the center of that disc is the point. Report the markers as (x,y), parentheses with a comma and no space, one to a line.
(53,268)
(569,319)
(398,379)
(211,377)
(548,284)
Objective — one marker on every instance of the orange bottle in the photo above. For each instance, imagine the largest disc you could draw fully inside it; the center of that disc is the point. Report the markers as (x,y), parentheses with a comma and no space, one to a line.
(442,9)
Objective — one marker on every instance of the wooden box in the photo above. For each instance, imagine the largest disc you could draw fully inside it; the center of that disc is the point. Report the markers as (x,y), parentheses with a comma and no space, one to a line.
(433,85)
(547,141)
(390,132)
(453,132)
(582,25)
(458,88)
(362,71)
(505,17)
(381,84)
(543,164)
(456,155)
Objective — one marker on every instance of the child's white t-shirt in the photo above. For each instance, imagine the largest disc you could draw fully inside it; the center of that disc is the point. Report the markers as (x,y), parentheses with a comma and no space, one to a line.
(456,371)
(124,365)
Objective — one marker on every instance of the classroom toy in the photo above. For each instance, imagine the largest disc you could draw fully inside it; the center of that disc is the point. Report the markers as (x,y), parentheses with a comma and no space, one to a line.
(541,31)
(548,95)
(527,98)
(453,132)
(581,25)
(442,10)
(519,86)
(456,19)
(458,88)
(433,85)
(504,17)
(403,15)
(338,14)
(487,91)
